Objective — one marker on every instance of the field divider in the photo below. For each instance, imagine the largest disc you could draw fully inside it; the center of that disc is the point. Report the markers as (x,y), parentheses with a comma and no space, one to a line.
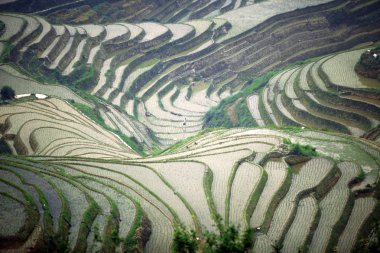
(320,190)
(229,185)
(47,219)
(115,214)
(196,221)
(60,239)
(255,195)
(31,209)
(175,216)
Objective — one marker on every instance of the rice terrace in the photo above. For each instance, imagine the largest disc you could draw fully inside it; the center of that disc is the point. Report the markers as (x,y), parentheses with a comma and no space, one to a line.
(190,126)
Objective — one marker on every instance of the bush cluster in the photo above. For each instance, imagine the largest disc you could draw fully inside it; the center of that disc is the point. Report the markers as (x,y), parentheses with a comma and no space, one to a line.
(228,239)
(299,149)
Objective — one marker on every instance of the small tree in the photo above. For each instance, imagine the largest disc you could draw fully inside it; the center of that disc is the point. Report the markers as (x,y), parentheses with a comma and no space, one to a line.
(228,239)
(7,93)
(184,241)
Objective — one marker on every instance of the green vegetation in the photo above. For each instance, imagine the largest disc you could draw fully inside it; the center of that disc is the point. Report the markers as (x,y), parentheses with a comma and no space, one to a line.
(2,27)
(174,96)
(7,93)
(6,52)
(368,65)
(216,56)
(228,239)
(361,175)
(84,77)
(244,115)
(218,116)
(4,148)
(189,92)
(92,114)
(197,77)
(184,241)
(298,149)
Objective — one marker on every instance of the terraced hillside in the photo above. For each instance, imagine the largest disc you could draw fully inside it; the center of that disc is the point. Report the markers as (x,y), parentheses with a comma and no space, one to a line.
(107,145)
(168,75)
(83,200)
(79,12)
(326,94)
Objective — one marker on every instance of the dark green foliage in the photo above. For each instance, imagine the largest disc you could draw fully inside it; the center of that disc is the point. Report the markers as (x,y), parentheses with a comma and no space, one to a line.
(244,115)
(6,51)
(97,236)
(184,241)
(4,148)
(2,27)
(7,93)
(361,175)
(85,228)
(259,82)
(374,244)
(299,149)
(368,65)
(218,117)
(228,239)
(86,77)
(305,150)
(197,78)
(369,241)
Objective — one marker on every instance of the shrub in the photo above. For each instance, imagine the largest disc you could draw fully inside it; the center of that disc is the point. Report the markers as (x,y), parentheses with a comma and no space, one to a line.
(7,93)
(305,150)
(228,239)
(299,149)
(361,175)
(197,78)
(184,241)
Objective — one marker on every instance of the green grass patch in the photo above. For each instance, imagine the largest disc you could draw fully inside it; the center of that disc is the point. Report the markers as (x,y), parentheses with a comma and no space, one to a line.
(244,115)
(299,149)
(6,52)
(255,196)
(218,116)
(208,178)
(85,77)
(85,227)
